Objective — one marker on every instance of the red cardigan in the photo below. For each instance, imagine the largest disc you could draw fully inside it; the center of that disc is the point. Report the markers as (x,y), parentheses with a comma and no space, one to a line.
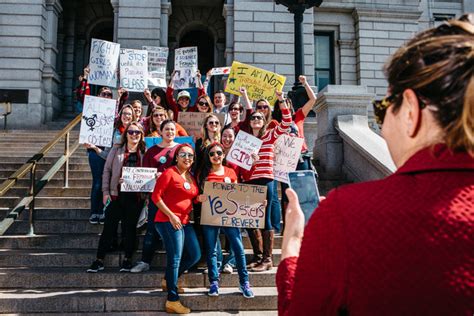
(403,245)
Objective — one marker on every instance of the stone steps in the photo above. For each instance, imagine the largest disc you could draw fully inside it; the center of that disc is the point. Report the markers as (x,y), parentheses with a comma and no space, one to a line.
(14,165)
(43,201)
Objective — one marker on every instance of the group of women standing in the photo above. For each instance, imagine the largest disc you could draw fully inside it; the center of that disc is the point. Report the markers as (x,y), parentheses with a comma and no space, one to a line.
(181,174)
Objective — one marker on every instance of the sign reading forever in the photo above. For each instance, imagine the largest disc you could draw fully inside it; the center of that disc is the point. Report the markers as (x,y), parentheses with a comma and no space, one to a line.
(259,83)
(242,148)
(234,205)
(138,179)
(287,152)
(103,63)
(193,121)
(134,69)
(97,124)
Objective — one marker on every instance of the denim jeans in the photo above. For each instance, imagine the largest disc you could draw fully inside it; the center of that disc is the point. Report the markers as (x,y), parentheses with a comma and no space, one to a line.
(269,183)
(152,239)
(276,208)
(182,252)
(211,235)
(96,164)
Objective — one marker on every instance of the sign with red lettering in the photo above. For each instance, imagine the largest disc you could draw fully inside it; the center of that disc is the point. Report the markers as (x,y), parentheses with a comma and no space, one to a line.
(242,149)
(138,179)
(234,205)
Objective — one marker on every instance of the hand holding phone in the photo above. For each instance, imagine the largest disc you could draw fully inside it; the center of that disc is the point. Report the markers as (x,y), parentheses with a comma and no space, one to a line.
(304,184)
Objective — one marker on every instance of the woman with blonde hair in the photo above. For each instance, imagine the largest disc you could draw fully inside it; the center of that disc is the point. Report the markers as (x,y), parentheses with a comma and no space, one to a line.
(402,245)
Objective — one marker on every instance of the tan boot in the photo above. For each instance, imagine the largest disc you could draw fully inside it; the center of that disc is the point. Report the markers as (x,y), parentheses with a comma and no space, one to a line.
(164,288)
(255,237)
(176,308)
(266,263)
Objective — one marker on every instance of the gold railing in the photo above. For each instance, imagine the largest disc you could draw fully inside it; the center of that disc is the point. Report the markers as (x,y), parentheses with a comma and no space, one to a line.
(35,187)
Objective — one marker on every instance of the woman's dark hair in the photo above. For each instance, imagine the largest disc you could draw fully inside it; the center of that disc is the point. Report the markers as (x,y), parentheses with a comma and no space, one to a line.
(276,114)
(178,149)
(438,65)
(165,122)
(233,105)
(162,94)
(206,165)
(141,144)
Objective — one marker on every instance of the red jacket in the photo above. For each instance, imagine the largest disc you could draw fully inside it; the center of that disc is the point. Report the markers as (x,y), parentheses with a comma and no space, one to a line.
(403,245)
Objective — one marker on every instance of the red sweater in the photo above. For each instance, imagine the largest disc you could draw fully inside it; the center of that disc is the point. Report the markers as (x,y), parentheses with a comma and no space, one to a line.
(263,168)
(229,176)
(174,106)
(403,245)
(170,188)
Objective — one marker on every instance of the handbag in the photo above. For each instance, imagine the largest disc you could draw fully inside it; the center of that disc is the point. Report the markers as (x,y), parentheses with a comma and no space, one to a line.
(143,218)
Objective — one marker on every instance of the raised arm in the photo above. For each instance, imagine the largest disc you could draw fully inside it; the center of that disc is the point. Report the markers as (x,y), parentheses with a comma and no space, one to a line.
(312,97)
(285,116)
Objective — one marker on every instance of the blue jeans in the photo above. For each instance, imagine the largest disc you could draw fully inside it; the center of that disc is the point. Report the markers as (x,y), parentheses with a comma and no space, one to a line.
(276,208)
(96,164)
(269,183)
(181,243)
(152,238)
(211,234)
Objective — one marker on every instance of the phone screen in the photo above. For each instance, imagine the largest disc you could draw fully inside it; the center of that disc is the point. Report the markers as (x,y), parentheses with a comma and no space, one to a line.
(304,184)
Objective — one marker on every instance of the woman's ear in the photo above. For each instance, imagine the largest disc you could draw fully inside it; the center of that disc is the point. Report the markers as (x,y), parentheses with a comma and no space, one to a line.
(412,112)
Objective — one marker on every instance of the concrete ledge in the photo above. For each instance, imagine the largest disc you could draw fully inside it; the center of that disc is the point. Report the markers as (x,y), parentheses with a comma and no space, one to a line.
(366,156)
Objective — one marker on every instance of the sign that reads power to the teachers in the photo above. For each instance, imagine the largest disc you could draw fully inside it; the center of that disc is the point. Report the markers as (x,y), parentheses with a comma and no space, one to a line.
(234,205)
(138,179)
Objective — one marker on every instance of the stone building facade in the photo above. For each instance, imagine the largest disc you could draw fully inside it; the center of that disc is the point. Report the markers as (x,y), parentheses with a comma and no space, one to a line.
(44,44)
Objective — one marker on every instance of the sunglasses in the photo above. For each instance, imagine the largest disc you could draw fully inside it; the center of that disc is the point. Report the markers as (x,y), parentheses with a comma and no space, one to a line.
(126,114)
(262,107)
(159,115)
(256,118)
(381,106)
(106,94)
(133,132)
(203,103)
(213,153)
(236,109)
(213,123)
(185,155)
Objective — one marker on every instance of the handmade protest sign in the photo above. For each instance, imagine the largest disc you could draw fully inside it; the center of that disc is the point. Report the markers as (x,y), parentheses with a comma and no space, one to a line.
(242,148)
(157,61)
(220,71)
(193,121)
(259,83)
(138,179)
(234,205)
(133,69)
(185,66)
(287,151)
(152,141)
(97,124)
(103,63)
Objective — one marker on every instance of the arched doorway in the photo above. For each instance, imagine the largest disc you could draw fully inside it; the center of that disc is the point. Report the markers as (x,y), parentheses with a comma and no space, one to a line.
(205,44)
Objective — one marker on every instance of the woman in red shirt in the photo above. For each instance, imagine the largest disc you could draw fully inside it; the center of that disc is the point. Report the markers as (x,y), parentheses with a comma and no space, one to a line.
(174,193)
(403,245)
(214,171)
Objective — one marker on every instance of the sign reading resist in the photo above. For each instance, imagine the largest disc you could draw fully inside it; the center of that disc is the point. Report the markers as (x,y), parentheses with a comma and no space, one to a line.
(138,179)
(97,124)
(103,63)
(234,205)
(287,151)
(242,148)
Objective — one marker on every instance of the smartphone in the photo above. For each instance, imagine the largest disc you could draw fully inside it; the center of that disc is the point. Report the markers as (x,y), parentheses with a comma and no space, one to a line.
(304,184)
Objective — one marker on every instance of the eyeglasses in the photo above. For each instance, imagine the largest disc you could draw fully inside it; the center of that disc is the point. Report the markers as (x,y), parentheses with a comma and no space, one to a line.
(262,107)
(381,106)
(236,109)
(106,94)
(218,153)
(127,114)
(133,132)
(213,123)
(256,118)
(184,155)
(203,103)
(159,115)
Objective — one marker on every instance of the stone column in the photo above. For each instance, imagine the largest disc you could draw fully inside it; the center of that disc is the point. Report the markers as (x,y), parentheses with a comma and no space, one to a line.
(68,60)
(165,13)
(228,13)
(115,6)
(335,100)
(52,104)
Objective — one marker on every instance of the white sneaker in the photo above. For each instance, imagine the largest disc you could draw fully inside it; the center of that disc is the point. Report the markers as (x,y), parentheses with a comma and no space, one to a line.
(227,269)
(140,267)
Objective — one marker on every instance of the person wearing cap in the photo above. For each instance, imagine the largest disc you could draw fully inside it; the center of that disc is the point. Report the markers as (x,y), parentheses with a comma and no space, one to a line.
(181,103)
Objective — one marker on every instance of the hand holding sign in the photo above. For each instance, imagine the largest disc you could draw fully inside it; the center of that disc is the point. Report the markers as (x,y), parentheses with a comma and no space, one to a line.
(242,149)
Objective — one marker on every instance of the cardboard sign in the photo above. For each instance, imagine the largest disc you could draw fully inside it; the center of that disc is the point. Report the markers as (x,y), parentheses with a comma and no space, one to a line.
(133,69)
(259,83)
(220,71)
(97,124)
(287,151)
(157,61)
(242,148)
(152,141)
(103,63)
(193,121)
(138,179)
(234,205)
(185,66)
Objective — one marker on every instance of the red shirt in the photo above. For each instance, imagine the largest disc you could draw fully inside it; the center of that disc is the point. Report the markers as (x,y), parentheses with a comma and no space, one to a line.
(170,188)
(174,106)
(403,245)
(229,176)
(158,157)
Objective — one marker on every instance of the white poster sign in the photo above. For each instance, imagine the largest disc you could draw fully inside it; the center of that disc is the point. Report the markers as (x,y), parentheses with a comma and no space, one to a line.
(103,63)
(138,179)
(134,69)
(157,61)
(220,71)
(97,124)
(185,66)
(287,151)
(242,148)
